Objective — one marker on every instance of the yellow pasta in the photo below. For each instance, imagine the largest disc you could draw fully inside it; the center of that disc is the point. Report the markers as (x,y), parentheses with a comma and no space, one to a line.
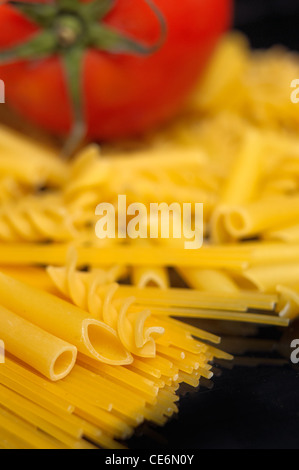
(248,167)
(151,276)
(231,58)
(36,219)
(68,322)
(253,219)
(34,276)
(235,149)
(48,354)
(288,300)
(55,254)
(288,235)
(240,301)
(266,278)
(208,280)
(88,292)
(222,315)
(41,165)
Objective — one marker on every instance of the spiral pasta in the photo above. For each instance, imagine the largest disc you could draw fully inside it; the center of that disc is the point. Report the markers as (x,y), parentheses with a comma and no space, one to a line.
(29,163)
(36,219)
(98,178)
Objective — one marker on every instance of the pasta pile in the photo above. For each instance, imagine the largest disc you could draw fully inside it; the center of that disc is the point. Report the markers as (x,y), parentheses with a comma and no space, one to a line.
(95,332)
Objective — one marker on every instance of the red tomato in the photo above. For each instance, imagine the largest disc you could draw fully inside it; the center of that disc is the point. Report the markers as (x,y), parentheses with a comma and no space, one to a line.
(124,94)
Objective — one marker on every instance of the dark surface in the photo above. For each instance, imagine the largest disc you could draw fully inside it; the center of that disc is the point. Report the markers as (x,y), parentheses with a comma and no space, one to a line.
(268,22)
(248,407)
(251,406)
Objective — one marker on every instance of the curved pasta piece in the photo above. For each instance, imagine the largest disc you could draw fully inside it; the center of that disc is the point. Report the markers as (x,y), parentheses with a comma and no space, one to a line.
(86,290)
(133,333)
(218,229)
(267,278)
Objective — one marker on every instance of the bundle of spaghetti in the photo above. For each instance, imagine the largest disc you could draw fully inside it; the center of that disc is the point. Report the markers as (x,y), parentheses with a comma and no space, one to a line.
(89,291)
(35,219)
(39,414)
(29,163)
(187,298)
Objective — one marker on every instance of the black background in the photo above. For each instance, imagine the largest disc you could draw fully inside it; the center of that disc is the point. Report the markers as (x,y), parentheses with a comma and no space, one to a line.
(268,22)
(249,407)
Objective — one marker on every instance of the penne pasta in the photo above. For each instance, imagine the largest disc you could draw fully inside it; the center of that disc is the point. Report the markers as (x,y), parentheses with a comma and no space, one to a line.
(151,276)
(258,217)
(208,280)
(267,278)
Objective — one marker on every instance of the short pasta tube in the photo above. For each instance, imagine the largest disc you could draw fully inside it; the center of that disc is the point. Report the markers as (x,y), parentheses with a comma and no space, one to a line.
(267,278)
(60,318)
(151,276)
(208,280)
(258,217)
(49,355)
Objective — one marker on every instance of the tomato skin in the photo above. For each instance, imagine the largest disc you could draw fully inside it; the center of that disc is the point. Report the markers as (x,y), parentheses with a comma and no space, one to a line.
(124,95)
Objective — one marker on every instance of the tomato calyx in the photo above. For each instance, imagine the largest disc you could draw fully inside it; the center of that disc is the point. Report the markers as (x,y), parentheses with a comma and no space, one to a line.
(67,29)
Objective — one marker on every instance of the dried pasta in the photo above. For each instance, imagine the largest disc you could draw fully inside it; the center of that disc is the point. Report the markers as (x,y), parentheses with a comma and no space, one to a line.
(48,354)
(235,149)
(36,219)
(42,165)
(151,276)
(88,291)
(91,337)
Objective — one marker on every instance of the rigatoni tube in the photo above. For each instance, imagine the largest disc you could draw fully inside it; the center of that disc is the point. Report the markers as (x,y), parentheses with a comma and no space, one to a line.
(46,353)
(64,320)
